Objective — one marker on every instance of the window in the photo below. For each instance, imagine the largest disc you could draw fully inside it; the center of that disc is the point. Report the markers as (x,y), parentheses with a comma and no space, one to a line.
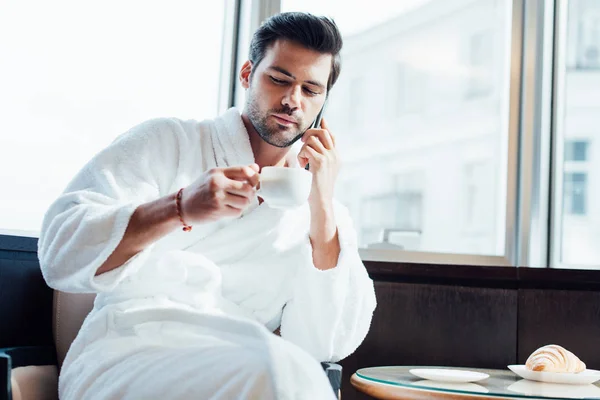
(479,196)
(576,150)
(575,191)
(577,177)
(480,63)
(410,91)
(75,75)
(418,59)
(585,22)
(356,101)
(388,219)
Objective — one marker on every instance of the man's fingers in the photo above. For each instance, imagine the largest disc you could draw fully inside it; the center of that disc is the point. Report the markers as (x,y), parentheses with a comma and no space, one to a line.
(313,155)
(255,167)
(240,188)
(324,136)
(308,155)
(243,173)
(302,159)
(232,211)
(326,127)
(235,201)
(316,144)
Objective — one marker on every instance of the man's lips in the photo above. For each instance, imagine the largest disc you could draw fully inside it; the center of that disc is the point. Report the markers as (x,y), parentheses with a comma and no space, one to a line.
(284,119)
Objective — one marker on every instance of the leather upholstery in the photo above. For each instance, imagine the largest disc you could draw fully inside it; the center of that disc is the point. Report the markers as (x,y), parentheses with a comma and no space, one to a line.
(69,311)
(35,382)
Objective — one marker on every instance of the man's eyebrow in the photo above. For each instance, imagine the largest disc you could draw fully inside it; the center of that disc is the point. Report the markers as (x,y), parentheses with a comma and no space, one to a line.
(287,73)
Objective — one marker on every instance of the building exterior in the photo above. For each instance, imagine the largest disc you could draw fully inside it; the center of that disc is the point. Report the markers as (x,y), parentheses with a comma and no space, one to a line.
(421,111)
(581,181)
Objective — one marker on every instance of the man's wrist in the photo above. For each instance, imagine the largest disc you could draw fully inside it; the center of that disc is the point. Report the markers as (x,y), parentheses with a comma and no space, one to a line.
(323,227)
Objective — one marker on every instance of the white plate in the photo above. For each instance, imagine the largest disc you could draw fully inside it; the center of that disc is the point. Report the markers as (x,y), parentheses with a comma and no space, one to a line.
(582,378)
(531,388)
(448,375)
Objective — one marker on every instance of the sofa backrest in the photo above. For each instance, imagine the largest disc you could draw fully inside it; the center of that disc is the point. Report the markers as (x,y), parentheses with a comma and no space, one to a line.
(69,311)
(25,301)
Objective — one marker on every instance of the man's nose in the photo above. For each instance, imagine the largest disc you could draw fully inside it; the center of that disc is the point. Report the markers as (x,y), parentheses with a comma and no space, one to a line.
(292,98)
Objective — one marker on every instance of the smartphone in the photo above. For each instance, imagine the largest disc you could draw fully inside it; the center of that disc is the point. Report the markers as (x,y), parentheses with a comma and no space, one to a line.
(317,123)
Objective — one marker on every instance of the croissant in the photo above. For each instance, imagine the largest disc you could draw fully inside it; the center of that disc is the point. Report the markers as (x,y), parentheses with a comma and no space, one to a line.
(554,358)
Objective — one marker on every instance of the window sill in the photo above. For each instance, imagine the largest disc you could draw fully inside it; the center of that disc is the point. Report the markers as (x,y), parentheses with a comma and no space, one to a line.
(485,276)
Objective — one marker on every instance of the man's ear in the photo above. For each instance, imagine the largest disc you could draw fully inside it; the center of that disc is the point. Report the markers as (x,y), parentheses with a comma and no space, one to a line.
(245,74)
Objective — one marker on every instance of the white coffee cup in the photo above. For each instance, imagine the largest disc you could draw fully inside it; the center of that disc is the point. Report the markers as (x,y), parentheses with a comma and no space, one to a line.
(284,187)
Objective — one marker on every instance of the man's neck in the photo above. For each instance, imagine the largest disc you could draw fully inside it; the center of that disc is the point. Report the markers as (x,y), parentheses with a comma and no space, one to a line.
(265,154)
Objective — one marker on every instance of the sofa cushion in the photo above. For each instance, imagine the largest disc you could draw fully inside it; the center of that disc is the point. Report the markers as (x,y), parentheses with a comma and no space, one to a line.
(70,309)
(35,382)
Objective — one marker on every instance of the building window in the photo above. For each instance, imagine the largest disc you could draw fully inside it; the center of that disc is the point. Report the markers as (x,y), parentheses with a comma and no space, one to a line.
(422,60)
(386,219)
(480,64)
(411,89)
(478,197)
(575,192)
(576,235)
(588,49)
(576,150)
(356,100)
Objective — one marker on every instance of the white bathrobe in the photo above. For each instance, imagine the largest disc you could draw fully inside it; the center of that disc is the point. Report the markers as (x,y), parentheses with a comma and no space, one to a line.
(192,316)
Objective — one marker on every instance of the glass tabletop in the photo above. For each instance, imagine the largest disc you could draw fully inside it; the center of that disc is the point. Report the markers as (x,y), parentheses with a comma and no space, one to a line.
(501,383)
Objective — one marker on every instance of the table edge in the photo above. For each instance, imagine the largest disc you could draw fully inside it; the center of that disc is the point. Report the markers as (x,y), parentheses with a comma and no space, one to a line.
(385,391)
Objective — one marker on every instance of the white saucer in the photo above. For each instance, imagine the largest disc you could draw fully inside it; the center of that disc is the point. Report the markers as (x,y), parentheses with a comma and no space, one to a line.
(448,375)
(582,378)
(532,388)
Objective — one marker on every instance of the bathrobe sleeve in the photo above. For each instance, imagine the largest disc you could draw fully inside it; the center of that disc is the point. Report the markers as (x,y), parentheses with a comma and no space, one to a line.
(330,311)
(85,224)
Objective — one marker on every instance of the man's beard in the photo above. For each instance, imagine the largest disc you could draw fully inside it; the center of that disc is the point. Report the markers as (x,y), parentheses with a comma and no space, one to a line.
(272,135)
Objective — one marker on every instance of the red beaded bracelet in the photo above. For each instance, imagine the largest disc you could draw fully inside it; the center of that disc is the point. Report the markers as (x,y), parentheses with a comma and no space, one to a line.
(186,227)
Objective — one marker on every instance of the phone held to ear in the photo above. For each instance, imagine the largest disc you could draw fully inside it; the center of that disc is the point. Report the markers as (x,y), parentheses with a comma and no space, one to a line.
(317,124)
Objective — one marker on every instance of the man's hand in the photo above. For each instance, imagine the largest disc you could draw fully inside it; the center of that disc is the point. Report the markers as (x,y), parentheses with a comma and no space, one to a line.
(219,193)
(319,151)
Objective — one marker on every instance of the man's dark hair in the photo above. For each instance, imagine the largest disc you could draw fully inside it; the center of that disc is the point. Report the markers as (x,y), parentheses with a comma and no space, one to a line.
(316,33)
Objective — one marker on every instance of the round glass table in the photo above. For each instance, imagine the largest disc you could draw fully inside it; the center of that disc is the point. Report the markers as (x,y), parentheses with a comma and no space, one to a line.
(394,383)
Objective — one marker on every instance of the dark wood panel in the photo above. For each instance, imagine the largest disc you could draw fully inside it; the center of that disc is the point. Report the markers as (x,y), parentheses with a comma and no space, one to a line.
(564,317)
(561,279)
(25,304)
(465,275)
(485,276)
(421,324)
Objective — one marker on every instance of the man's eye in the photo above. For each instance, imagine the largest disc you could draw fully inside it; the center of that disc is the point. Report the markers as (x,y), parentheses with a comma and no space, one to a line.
(310,92)
(278,81)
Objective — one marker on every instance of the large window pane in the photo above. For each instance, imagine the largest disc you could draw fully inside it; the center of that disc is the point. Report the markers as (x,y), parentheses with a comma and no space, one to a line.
(76,74)
(579,136)
(420,115)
